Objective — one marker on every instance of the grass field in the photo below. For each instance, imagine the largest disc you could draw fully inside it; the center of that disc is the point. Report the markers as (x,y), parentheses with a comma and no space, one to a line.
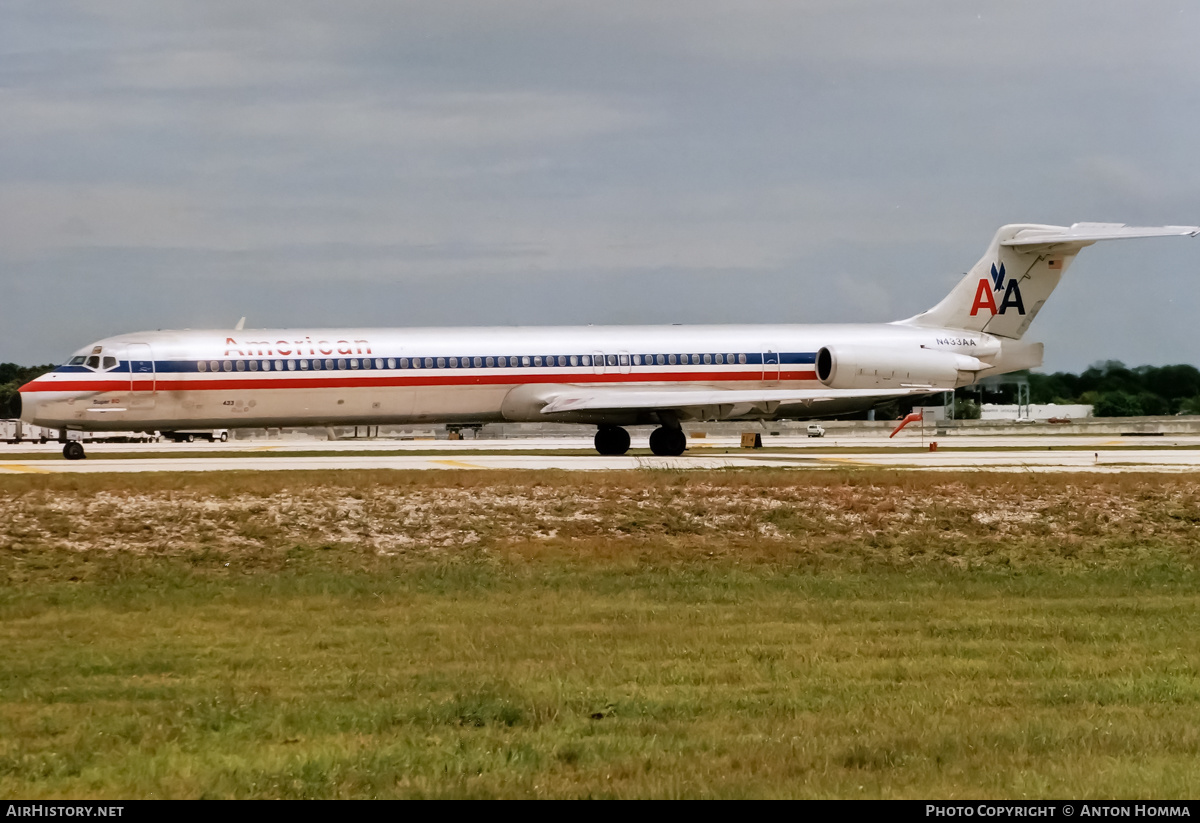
(725,634)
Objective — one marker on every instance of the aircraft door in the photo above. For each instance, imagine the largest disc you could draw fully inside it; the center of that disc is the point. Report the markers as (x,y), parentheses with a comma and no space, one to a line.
(770,361)
(143,379)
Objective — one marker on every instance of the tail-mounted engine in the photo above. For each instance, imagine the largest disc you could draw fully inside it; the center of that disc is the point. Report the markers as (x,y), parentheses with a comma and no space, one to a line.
(865,367)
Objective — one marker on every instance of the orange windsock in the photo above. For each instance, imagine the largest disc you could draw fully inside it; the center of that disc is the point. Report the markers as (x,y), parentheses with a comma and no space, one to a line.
(915,417)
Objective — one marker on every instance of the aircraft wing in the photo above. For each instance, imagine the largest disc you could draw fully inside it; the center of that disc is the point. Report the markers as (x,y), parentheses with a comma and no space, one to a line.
(767,400)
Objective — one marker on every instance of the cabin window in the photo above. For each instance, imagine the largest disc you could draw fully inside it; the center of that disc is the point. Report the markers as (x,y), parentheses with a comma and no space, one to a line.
(391,362)
(253,365)
(213,365)
(490,361)
(525,360)
(441,362)
(623,359)
(227,366)
(429,362)
(707,359)
(574,360)
(303,365)
(201,366)
(587,359)
(291,365)
(659,359)
(353,363)
(637,360)
(454,362)
(241,365)
(741,358)
(316,365)
(671,359)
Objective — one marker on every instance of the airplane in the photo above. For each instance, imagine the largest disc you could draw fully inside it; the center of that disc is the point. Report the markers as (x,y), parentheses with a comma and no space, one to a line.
(609,377)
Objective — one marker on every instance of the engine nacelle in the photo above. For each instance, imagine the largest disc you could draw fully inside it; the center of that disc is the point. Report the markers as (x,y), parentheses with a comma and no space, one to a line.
(868,367)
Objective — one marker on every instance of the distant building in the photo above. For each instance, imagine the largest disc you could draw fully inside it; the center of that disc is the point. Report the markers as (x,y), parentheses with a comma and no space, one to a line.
(1034,411)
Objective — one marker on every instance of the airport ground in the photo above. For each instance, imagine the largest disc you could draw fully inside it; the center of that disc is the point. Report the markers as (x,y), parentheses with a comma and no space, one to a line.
(1168,445)
(854,632)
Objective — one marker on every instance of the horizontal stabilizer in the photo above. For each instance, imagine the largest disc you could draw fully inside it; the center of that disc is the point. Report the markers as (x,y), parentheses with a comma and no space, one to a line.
(626,400)
(1084,234)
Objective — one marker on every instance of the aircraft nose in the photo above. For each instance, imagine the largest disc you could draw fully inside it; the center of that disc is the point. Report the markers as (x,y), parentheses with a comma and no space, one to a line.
(26,403)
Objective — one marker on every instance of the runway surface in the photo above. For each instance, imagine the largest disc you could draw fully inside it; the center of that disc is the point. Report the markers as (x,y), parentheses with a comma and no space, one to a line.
(1014,453)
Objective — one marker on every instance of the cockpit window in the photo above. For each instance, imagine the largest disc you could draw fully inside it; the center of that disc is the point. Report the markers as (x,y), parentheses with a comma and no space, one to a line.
(77,360)
(93,362)
(110,363)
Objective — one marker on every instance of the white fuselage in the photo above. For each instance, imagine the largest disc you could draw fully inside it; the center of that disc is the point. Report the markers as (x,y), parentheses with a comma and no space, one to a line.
(169,380)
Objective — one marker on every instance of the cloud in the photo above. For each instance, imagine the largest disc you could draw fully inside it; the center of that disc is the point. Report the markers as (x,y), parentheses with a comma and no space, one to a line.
(625,161)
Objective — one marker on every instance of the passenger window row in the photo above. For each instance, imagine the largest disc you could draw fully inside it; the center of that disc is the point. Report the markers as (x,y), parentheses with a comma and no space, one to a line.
(503,362)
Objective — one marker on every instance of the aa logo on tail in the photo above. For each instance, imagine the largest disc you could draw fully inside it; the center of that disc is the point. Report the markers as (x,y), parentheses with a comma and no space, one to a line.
(985,294)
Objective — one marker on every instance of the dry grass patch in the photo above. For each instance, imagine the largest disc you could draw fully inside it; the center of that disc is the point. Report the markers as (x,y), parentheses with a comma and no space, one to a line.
(843,520)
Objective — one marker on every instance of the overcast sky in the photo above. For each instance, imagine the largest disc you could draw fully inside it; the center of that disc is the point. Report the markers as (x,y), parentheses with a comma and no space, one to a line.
(360,163)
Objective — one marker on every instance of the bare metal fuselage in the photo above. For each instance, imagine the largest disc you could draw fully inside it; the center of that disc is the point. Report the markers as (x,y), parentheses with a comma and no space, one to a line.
(170,380)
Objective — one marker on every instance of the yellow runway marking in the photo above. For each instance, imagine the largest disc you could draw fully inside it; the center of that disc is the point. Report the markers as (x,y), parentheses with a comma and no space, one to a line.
(458,464)
(849,460)
(21,468)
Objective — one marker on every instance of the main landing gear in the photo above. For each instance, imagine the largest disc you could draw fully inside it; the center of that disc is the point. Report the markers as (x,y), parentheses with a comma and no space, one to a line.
(664,441)
(73,450)
(667,442)
(612,440)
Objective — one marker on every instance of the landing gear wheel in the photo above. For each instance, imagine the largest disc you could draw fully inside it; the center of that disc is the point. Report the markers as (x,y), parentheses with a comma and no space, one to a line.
(612,440)
(668,442)
(189,438)
(73,450)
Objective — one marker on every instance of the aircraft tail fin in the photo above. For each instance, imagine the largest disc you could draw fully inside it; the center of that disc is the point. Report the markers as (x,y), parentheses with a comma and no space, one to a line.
(1004,291)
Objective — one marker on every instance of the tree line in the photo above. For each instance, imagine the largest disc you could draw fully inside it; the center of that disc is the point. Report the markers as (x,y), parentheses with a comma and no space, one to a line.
(1111,387)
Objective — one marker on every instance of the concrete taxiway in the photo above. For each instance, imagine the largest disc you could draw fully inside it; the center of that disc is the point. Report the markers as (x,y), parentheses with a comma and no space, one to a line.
(997,453)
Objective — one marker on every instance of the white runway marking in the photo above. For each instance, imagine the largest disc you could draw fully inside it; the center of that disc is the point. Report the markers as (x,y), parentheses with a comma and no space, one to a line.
(447,455)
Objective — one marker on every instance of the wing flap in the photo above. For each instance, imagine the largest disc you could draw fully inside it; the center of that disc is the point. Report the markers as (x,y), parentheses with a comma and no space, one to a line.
(663,399)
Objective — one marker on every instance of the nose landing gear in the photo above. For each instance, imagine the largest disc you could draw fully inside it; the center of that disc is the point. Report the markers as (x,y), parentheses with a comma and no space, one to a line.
(612,440)
(73,450)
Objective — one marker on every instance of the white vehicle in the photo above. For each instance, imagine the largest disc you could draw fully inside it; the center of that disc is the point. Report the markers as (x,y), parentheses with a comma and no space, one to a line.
(604,376)
(190,435)
(815,431)
(17,431)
